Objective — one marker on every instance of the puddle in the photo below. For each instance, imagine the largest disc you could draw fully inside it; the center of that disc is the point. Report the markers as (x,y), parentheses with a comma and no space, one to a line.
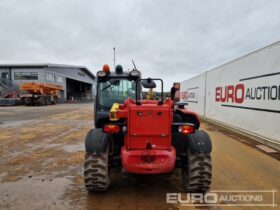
(74,147)
(35,193)
(19,123)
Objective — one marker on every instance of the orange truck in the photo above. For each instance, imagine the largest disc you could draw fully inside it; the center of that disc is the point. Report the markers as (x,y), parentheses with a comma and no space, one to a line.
(40,93)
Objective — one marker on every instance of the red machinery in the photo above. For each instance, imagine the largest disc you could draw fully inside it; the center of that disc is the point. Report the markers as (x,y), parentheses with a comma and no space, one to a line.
(144,136)
(147,148)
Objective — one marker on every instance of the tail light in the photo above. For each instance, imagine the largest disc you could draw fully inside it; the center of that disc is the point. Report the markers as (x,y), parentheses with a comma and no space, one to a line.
(111,129)
(186,129)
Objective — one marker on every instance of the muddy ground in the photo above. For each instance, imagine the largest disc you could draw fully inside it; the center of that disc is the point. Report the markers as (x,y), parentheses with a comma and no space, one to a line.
(41,165)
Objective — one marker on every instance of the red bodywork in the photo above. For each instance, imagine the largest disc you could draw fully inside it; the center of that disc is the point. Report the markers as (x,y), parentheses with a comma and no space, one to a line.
(145,161)
(147,148)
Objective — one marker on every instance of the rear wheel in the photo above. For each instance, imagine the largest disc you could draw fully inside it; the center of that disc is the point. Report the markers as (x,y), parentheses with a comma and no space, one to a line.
(197,172)
(96,174)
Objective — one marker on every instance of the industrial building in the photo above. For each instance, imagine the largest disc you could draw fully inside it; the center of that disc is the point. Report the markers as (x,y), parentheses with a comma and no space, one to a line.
(77,81)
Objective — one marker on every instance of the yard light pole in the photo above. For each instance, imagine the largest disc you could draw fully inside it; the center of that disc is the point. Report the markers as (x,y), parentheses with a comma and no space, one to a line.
(114,48)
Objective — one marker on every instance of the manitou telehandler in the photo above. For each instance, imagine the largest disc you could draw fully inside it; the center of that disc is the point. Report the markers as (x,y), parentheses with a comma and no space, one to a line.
(143,136)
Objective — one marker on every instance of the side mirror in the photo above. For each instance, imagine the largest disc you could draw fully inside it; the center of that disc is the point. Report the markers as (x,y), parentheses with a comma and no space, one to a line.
(149,83)
(181,105)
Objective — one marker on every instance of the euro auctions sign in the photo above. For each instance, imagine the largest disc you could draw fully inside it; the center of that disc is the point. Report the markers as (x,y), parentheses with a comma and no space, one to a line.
(239,93)
(190,95)
(251,91)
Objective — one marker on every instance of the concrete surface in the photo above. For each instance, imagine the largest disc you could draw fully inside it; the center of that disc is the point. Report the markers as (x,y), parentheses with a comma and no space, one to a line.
(41,165)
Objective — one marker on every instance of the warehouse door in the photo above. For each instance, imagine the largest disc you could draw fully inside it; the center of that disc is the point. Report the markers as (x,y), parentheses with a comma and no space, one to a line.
(5,77)
(78,91)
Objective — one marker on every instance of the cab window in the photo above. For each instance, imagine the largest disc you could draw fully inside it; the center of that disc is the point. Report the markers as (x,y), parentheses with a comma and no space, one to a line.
(115,91)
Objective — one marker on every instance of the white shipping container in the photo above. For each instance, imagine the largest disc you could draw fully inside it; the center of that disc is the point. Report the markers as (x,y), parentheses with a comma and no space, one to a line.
(244,93)
(193,92)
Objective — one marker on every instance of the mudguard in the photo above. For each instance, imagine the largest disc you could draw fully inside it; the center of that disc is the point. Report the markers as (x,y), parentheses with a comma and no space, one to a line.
(199,142)
(96,141)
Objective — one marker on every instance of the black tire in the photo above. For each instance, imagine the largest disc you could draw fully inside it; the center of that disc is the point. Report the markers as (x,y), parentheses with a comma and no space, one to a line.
(26,102)
(96,172)
(96,141)
(197,172)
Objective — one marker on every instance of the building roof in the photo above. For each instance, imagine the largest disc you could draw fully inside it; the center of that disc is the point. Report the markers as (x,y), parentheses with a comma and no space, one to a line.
(42,65)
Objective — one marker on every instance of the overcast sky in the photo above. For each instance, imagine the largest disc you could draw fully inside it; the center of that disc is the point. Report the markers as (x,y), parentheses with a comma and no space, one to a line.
(171,39)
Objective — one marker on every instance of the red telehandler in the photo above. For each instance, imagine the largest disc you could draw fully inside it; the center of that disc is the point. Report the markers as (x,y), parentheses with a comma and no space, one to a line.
(143,136)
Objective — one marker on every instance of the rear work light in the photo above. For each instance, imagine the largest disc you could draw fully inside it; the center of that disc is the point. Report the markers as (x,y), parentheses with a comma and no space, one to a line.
(111,129)
(135,73)
(186,129)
